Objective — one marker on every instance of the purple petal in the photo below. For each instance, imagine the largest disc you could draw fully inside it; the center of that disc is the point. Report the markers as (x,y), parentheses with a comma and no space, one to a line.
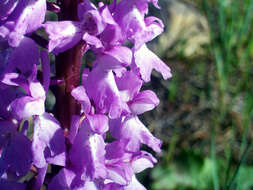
(12,185)
(90,185)
(27,106)
(63,35)
(62,180)
(113,186)
(36,90)
(15,79)
(153,28)
(75,124)
(98,123)
(91,20)
(134,130)
(6,8)
(119,72)
(143,101)
(146,61)
(87,154)
(134,185)
(6,127)
(24,57)
(143,161)
(92,40)
(5,52)
(111,36)
(17,154)
(25,18)
(115,58)
(107,99)
(84,7)
(48,141)
(130,17)
(80,95)
(40,178)
(117,150)
(106,15)
(7,95)
(120,173)
(33,76)
(36,15)
(122,54)
(68,180)
(130,88)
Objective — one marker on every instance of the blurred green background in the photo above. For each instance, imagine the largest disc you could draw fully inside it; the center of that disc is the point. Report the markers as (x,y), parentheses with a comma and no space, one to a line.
(206,110)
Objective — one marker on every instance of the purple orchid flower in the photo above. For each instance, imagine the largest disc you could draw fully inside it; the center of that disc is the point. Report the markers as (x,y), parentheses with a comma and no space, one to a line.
(133,129)
(144,55)
(129,14)
(48,142)
(99,148)
(19,18)
(92,22)
(14,144)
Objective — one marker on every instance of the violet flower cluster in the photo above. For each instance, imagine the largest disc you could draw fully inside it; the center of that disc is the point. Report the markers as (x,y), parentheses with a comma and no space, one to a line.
(100,149)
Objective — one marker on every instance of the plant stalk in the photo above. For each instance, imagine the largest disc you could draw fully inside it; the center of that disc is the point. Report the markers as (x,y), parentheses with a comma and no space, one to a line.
(68,65)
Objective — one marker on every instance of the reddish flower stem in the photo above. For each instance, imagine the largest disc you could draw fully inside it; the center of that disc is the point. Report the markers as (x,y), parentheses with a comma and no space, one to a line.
(68,66)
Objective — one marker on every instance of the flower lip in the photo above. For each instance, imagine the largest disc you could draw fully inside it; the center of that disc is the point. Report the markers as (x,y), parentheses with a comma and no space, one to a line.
(89,24)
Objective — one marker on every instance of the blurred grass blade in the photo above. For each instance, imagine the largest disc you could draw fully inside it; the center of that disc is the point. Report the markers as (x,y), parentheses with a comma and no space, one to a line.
(213,158)
(235,175)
